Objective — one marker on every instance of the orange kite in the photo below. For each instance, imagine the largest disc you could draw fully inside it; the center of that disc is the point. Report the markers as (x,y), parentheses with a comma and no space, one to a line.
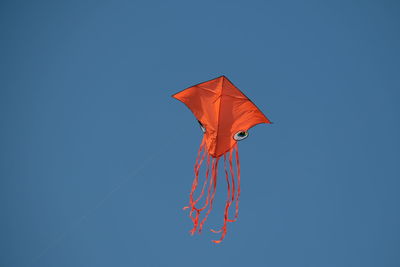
(225,115)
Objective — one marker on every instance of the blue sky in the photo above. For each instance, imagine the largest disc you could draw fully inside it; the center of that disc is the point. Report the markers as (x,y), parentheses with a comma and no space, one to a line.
(97,158)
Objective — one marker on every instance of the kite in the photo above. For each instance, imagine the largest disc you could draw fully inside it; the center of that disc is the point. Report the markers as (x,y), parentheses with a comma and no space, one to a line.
(225,115)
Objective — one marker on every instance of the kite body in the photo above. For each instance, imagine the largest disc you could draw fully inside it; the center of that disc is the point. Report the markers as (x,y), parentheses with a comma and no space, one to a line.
(225,115)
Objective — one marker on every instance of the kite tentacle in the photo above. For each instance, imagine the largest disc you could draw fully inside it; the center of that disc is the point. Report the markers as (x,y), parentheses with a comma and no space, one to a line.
(233,182)
(238,180)
(210,185)
(209,191)
(211,195)
(197,165)
(204,184)
(232,191)
(199,160)
(229,199)
(208,182)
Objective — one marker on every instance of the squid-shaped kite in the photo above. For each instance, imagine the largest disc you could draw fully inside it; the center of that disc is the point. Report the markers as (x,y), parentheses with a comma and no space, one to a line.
(225,115)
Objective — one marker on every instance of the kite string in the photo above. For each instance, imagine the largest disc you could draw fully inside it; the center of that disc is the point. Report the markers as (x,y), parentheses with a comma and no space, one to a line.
(107,196)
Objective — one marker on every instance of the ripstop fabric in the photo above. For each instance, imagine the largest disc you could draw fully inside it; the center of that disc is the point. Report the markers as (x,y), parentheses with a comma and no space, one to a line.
(223,110)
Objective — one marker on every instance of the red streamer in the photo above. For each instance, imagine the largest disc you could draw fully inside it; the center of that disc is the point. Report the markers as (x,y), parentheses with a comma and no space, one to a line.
(210,185)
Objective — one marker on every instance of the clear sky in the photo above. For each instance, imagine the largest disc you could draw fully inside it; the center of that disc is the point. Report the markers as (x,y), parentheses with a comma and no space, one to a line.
(96,158)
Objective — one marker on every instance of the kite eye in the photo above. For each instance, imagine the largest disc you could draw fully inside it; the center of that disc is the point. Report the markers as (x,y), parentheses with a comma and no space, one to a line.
(240,135)
(202,127)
